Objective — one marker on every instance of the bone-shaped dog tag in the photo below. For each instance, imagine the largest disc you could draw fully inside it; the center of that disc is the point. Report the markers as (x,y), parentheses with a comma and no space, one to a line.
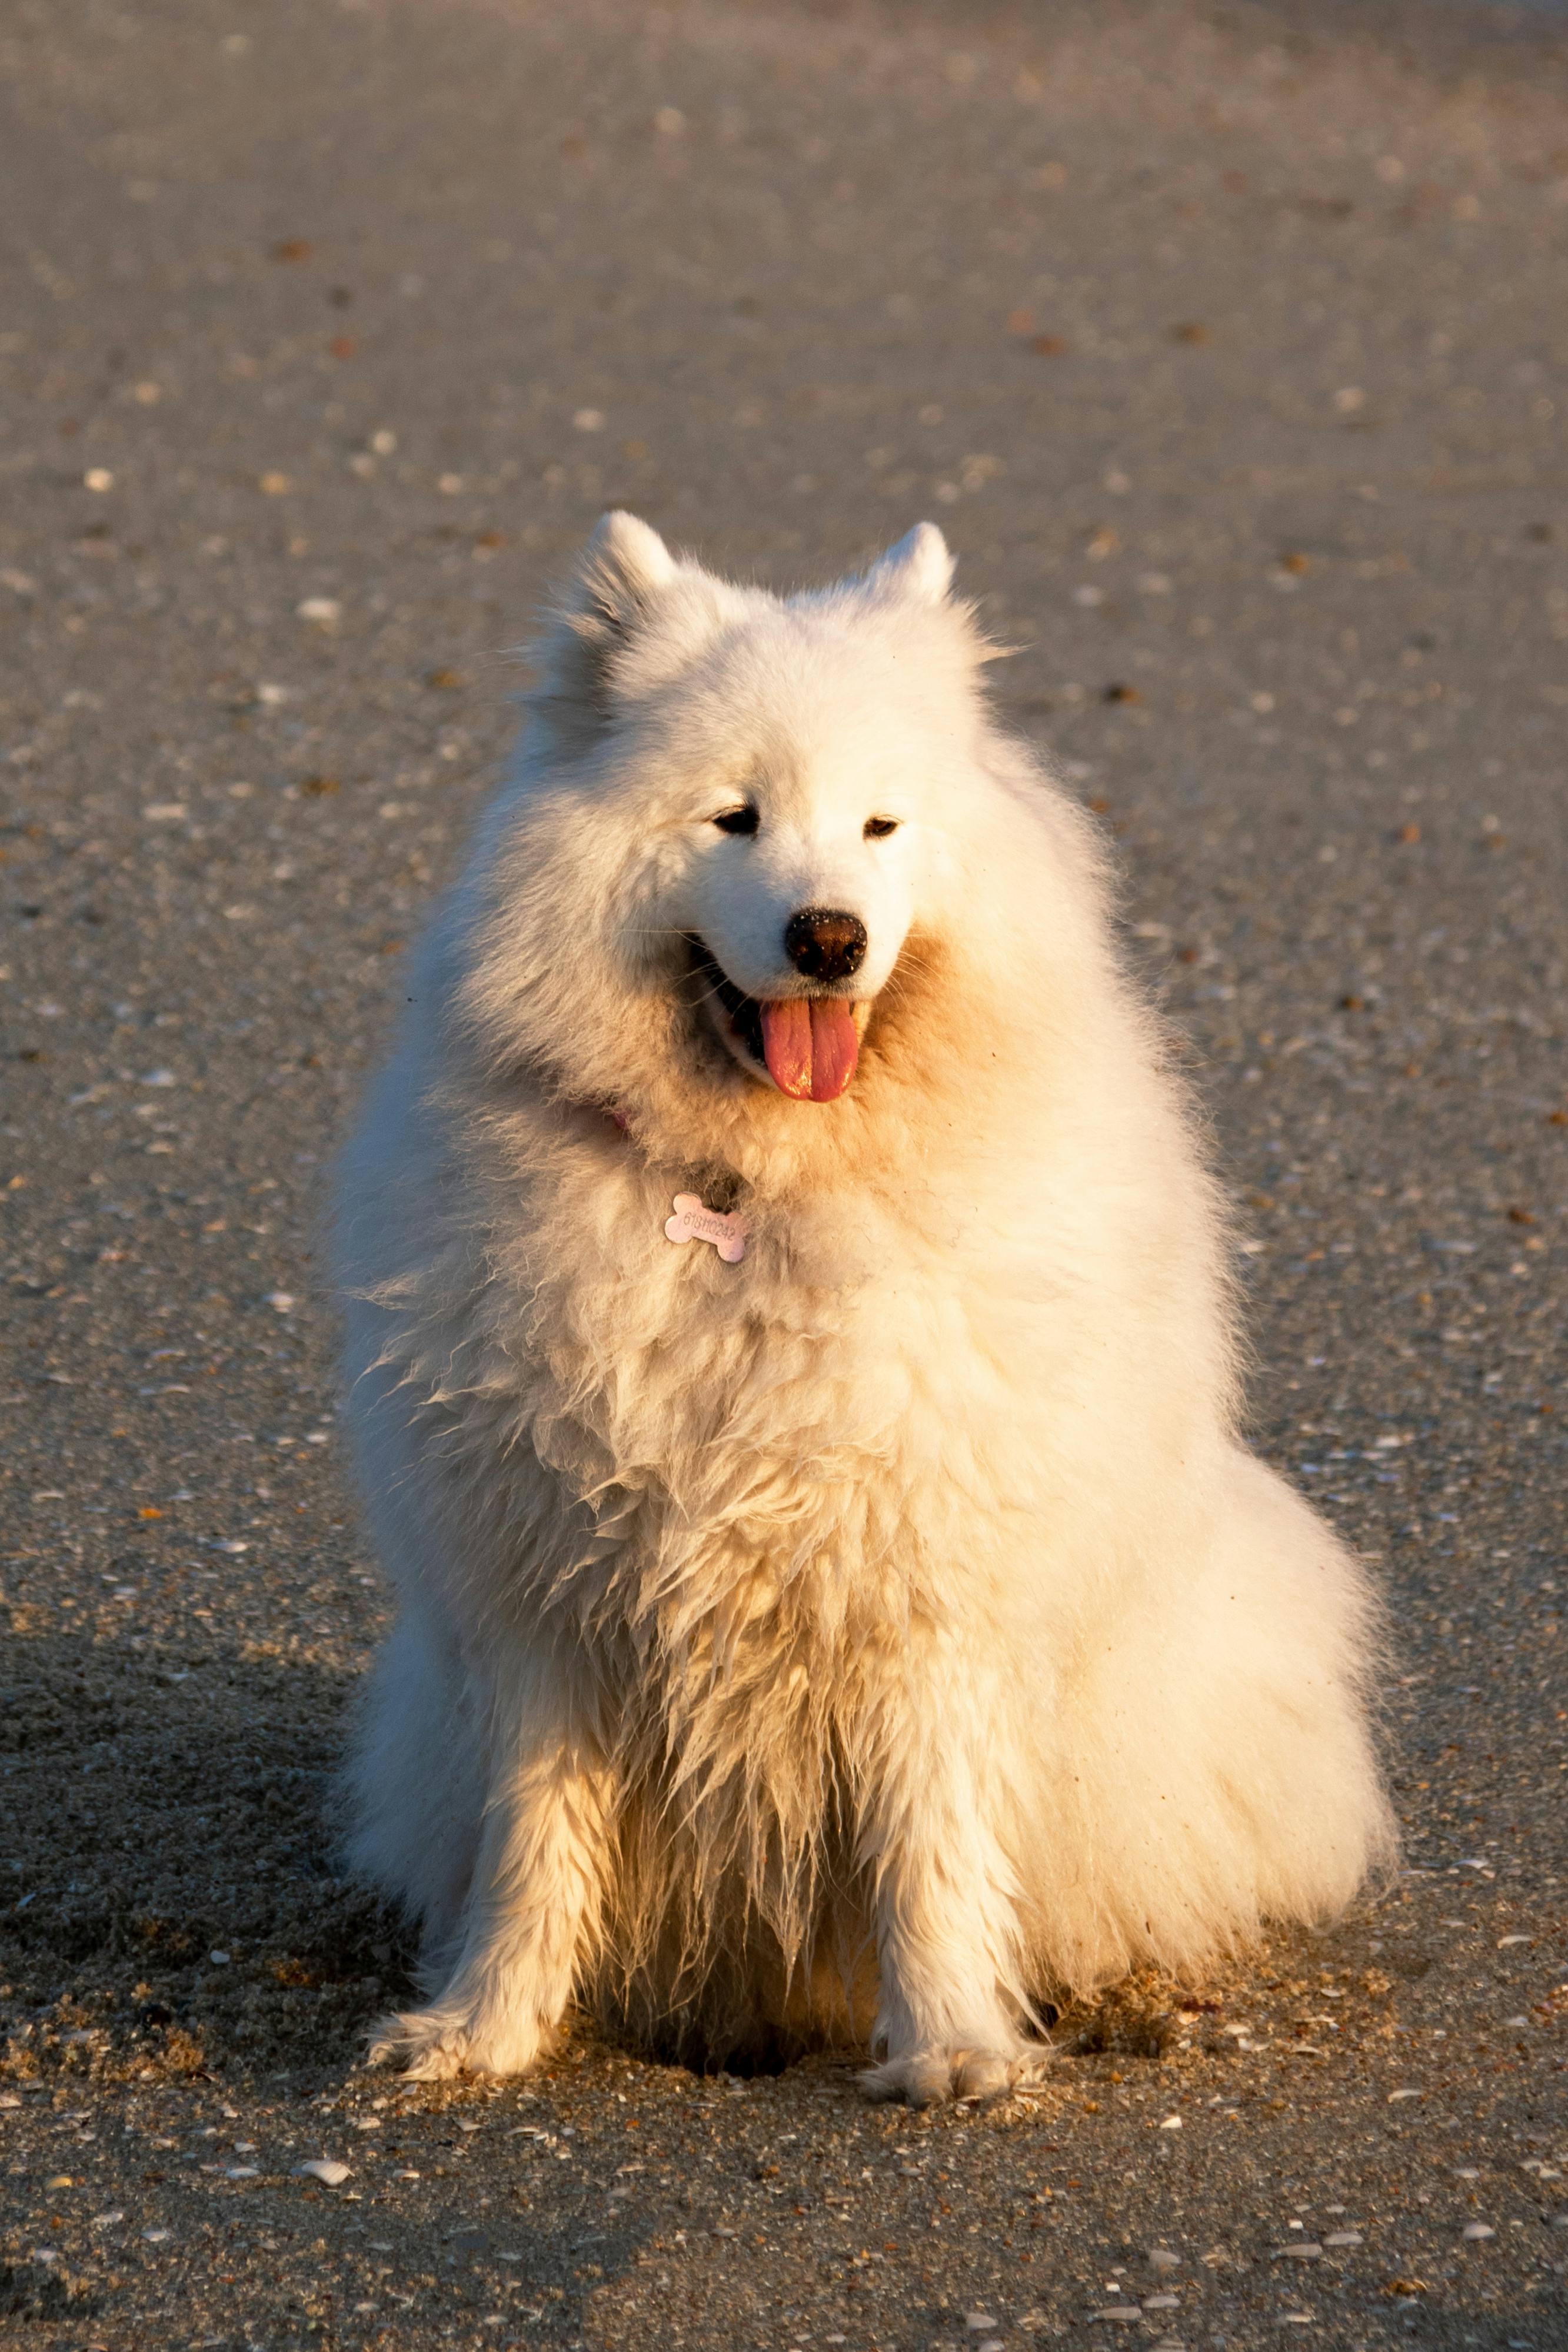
(692,1222)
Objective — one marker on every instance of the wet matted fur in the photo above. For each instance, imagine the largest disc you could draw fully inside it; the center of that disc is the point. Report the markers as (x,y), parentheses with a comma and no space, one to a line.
(883,1634)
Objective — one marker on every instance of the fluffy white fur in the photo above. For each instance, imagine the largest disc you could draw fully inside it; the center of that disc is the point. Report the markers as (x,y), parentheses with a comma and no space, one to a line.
(878,1637)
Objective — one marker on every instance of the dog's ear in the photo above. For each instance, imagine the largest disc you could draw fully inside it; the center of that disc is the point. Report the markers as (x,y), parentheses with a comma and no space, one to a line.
(619,578)
(917,569)
(624,567)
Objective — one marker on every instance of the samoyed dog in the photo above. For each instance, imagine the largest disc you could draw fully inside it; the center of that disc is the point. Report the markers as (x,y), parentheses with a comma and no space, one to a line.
(793,1376)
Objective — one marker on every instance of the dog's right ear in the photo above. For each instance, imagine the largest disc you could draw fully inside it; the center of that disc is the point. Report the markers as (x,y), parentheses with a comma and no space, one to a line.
(623,566)
(618,580)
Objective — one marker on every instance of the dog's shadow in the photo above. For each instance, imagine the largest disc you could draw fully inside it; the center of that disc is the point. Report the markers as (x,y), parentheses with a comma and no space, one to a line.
(175,1903)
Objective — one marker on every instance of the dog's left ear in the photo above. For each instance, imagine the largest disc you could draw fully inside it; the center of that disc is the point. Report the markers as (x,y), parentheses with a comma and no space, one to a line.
(917,569)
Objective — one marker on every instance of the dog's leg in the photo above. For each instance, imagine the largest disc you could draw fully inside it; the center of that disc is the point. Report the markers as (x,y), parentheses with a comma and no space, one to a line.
(950,2020)
(415,1779)
(535,1900)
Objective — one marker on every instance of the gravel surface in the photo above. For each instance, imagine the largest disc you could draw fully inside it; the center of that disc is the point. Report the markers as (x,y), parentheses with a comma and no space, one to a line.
(1228,343)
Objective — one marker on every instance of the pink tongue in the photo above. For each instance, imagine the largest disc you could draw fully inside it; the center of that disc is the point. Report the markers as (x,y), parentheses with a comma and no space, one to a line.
(809,1044)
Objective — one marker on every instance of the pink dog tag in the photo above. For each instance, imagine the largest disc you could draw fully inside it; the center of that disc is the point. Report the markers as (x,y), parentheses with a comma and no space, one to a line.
(692,1222)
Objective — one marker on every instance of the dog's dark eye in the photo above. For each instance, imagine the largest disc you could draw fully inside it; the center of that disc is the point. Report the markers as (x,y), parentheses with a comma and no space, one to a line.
(877,828)
(739,820)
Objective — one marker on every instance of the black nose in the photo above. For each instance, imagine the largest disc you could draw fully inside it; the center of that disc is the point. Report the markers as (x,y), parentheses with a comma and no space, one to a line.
(825,943)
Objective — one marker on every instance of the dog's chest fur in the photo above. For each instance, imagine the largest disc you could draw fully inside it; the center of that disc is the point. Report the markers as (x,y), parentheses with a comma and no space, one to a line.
(696,1452)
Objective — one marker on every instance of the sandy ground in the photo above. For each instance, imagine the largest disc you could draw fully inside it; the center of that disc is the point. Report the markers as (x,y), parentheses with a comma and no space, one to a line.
(1228,343)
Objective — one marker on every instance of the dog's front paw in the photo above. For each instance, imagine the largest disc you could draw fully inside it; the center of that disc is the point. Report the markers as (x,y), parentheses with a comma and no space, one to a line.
(921,2078)
(427,2044)
(431,2045)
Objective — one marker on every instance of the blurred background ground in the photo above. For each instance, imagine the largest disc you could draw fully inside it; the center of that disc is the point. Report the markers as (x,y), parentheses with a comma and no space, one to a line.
(1228,344)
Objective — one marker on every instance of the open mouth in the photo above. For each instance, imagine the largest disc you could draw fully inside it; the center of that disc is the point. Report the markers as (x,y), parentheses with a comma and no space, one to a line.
(808,1045)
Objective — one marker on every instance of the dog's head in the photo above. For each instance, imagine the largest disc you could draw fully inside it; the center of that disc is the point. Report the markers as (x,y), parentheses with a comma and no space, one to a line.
(742,826)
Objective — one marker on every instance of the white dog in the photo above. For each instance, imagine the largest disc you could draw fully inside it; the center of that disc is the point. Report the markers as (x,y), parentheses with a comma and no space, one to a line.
(873,1626)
